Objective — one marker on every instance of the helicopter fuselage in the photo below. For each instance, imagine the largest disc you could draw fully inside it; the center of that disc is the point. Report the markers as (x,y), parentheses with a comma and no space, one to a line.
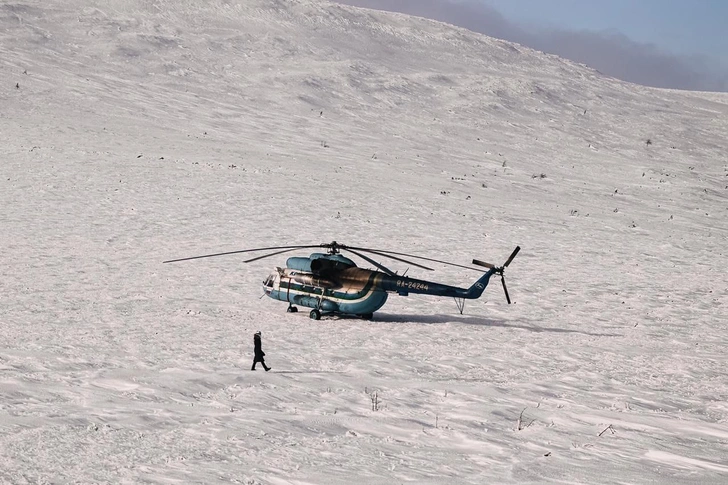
(334,284)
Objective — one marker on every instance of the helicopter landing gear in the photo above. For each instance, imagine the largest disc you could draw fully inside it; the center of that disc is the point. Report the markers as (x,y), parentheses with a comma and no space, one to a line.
(315,314)
(291,309)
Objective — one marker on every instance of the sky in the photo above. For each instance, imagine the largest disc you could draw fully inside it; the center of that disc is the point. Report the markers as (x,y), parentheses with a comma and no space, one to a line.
(679,26)
(133,134)
(675,43)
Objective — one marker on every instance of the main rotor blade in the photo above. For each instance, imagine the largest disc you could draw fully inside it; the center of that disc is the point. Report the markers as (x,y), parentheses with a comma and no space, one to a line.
(384,253)
(366,258)
(388,254)
(271,254)
(513,255)
(508,298)
(241,251)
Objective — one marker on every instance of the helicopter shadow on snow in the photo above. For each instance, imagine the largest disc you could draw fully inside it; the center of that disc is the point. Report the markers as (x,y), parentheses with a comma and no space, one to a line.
(309,372)
(475,320)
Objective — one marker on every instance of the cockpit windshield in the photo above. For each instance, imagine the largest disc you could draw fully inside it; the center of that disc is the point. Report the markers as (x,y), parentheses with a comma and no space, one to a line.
(272,278)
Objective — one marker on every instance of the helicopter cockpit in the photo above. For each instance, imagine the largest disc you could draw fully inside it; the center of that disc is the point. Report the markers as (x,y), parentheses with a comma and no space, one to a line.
(272,282)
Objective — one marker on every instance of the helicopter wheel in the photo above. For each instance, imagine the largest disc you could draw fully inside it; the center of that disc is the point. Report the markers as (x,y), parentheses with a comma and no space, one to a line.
(315,315)
(291,309)
(367,316)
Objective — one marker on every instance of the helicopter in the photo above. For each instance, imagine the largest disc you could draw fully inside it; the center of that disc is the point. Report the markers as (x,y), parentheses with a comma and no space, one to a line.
(330,283)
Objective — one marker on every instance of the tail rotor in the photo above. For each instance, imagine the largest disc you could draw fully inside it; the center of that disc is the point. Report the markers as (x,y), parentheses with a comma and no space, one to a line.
(500,270)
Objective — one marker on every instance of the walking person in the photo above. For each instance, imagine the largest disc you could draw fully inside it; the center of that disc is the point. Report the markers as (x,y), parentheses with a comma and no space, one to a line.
(259,354)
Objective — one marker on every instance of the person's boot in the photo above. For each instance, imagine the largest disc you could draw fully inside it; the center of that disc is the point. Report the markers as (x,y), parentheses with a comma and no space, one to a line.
(253,368)
(266,368)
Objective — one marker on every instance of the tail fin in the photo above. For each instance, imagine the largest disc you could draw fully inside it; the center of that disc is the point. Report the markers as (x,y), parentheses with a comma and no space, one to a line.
(479,286)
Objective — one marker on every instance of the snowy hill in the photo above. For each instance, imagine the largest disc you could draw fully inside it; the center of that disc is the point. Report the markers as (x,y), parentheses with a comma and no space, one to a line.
(135,132)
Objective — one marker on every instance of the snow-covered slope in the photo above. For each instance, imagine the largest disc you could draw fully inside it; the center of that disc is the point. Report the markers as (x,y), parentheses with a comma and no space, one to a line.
(134,132)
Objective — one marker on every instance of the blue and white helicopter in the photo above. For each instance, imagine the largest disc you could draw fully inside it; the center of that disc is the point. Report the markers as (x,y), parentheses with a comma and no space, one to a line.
(331,283)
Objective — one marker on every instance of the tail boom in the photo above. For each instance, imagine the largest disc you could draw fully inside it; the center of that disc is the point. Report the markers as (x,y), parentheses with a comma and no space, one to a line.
(405,286)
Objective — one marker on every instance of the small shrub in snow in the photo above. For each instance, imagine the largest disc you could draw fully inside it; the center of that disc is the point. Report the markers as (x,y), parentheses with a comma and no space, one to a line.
(608,428)
(375,401)
(520,425)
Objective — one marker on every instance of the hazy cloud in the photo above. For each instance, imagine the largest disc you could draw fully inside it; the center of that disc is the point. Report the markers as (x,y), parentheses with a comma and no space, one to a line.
(612,54)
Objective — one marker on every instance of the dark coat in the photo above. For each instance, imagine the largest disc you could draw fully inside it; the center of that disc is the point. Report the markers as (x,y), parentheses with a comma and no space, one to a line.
(259,354)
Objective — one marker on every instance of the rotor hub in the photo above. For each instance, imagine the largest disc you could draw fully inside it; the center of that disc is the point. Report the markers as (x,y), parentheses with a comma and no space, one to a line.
(333,247)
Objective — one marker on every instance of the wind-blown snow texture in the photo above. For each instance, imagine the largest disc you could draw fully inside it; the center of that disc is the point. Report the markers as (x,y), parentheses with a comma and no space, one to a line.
(133,132)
